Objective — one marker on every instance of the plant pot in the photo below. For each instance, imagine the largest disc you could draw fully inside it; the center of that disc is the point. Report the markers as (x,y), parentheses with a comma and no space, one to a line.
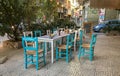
(12,44)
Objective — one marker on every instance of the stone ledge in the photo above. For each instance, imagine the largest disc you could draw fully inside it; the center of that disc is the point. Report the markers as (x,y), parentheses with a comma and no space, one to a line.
(3,59)
(113,33)
(11,44)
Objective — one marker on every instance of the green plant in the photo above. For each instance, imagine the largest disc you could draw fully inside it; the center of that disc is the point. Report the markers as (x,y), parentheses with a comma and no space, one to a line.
(63,23)
(107,29)
(60,23)
(12,13)
(111,28)
(48,10)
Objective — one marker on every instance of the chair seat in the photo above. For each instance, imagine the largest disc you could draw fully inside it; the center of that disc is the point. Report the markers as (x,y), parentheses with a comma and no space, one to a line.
(87,46)
(77,39)
(63,47)
(39,42)
(30,43)
(31,52)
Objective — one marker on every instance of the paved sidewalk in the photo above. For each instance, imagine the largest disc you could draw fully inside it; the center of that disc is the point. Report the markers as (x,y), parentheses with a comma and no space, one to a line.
(106,62)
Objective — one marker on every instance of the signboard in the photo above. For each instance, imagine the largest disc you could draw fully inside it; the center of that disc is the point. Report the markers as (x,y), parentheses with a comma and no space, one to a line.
(101,15)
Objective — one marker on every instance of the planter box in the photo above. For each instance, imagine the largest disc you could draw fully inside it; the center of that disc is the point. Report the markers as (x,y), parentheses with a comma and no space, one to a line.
(113,33)
(11,44)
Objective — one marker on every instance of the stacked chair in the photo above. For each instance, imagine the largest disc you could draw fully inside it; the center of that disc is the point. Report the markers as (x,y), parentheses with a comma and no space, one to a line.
(32,53)
(88,48)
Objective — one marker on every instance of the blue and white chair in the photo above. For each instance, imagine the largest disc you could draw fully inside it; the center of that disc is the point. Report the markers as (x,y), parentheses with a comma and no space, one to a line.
(78,38)
(32,54)
(28,34)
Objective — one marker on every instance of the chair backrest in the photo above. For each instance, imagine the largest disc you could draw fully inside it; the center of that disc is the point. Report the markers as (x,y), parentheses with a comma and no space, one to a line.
(28,34)
(79,31)
(93,40)
(54,29)
(37,33)
(26,40)
(88,27)
(48,32)
(81,36)
(70,39)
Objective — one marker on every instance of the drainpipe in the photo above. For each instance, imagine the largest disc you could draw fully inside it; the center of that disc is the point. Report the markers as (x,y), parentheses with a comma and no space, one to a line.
(86,12)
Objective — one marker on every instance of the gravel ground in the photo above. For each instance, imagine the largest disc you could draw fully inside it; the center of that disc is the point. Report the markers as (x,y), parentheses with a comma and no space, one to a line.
(106,62)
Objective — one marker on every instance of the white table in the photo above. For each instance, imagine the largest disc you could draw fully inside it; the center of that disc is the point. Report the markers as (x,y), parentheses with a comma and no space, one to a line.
(46,38)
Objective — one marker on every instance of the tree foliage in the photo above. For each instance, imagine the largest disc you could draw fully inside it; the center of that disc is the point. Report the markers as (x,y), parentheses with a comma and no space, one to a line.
(48,9)
(12,12)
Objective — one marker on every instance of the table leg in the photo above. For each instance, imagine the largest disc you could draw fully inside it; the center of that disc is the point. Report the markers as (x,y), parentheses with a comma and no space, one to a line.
(74,46)
(46,48)
(52,52)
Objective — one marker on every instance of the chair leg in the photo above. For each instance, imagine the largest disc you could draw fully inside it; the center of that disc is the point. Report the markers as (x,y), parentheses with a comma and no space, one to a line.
(93,52)
(91,55)
(37,63)
(25,58)
(79,54)
(32,58)
(83,51)
(57,54)
(67,56)
(70,53)
(44,58)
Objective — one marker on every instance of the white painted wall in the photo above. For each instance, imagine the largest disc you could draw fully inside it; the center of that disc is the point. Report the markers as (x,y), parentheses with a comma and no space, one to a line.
(3,38)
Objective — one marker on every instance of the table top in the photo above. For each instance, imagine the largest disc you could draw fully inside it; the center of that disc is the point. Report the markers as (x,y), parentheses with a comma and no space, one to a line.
(53,38)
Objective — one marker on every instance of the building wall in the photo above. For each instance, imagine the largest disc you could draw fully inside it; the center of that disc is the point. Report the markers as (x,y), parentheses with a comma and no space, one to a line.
(93,15)
(111,14)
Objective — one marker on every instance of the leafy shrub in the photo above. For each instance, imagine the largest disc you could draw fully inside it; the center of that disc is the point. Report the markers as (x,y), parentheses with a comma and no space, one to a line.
(111,28)
(60,23)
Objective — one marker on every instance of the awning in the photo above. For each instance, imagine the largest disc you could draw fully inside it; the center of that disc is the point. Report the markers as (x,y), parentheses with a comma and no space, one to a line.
(111,4)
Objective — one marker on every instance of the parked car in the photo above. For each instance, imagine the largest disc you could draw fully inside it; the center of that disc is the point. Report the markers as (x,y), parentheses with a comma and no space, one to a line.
(101,26)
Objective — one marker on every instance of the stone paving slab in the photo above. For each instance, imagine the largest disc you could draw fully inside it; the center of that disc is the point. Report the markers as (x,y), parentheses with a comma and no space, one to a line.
(106,62)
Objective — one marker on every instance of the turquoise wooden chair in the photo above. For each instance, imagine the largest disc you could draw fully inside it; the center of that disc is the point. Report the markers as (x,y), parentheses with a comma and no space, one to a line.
(80,37)
(65,50)
(37,33)
(32,53)
(54,29)
(88,48)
